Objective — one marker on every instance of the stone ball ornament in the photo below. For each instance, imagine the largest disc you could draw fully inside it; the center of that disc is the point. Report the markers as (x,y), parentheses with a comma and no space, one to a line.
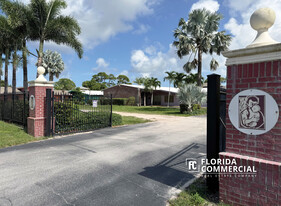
(262,18)
(41,70)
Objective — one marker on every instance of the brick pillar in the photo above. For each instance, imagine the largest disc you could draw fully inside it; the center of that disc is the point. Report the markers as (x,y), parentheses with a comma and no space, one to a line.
(36,122)
(253,68)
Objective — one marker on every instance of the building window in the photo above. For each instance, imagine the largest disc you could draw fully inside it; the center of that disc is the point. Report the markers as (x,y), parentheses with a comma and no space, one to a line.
(171,99)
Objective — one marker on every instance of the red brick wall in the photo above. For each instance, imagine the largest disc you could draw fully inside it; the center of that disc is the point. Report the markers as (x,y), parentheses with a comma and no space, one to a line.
(263,189)
(263,151)
(265,76)
(121,92)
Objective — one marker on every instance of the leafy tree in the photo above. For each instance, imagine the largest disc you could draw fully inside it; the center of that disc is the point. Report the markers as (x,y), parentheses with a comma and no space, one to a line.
(123,79)
(171,78)
(65,84)
(100,77)
(190,94)
(200,35)
(77,94)
(2,83)
(111,80)
(53,64)
(48,24)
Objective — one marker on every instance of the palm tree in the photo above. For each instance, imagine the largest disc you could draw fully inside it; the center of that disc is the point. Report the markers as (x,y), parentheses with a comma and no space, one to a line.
(49,25)
(171,78)
(190,94)
(6,36)
(139,81)
(53,64)
(1,72)
(179,78)
(200,35)
(18,18)
(192,78)
(154,83)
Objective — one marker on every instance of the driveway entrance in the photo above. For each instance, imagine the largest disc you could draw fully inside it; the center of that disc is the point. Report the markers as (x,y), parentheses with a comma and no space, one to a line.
(132,165)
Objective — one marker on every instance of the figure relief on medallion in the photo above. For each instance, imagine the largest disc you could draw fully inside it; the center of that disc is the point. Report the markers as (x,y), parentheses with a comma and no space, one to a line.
(252,112)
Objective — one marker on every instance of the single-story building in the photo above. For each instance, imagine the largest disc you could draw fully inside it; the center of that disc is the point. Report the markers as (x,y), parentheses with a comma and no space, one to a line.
(160,95)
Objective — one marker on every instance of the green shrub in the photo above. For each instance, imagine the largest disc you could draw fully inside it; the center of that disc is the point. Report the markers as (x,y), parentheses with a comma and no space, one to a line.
(196,107)
(116,119)
(131,101)
(119,101)
(184,109)
(89,102)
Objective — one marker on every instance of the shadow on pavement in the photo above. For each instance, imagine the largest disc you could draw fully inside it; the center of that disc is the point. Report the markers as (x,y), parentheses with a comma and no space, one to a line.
(173,171)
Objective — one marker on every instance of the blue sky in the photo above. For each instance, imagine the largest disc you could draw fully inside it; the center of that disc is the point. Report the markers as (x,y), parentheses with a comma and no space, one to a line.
(134,37)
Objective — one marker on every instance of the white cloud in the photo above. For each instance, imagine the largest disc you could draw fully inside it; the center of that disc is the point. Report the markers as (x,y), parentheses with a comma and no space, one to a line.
(151,62)
(102,19)
(210,5)
(142,29)
(101,64)
(156,63)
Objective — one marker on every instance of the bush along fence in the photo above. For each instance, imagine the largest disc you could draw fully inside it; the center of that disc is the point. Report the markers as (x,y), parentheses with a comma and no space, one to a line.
(70,114)
(14,108)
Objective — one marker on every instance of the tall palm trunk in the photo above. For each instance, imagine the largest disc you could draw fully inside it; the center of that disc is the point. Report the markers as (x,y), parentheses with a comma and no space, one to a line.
(152,98)
(14,82)
(6,70)
(169,94)
(1,71)
(24,67)
(199,67)
(51,77)
(40,53)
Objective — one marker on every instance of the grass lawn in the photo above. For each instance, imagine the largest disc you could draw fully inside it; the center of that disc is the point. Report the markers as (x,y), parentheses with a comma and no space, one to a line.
(126,120)
(197,194)
(156,110)
(11,135)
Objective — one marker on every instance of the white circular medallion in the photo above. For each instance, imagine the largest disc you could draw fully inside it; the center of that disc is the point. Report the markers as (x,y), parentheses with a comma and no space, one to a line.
(253,112)
(31,102)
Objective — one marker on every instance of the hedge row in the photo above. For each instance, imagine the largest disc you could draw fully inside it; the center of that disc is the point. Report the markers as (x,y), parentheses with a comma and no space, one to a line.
(119,101)
(68,117)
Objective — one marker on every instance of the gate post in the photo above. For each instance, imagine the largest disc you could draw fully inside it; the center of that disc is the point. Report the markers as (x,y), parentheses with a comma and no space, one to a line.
(37,120)
(213,126)
(253,123)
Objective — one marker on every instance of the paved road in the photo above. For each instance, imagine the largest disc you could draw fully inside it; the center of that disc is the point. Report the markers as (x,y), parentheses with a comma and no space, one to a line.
(131,165)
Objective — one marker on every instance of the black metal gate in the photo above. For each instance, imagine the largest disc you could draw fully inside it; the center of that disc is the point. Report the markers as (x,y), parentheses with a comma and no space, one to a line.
(216,113)
(72,114)
(14,108)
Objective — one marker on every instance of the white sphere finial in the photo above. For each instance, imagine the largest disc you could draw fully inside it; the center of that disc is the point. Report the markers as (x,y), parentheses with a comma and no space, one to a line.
(261,20)
(41,72)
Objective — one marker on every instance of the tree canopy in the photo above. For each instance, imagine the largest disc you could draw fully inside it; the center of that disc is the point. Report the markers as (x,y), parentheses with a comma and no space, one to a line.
(65,84)
(102,80)
(198,35)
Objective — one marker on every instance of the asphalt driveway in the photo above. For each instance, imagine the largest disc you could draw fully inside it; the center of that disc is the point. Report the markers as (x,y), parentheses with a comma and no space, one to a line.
(131,165)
